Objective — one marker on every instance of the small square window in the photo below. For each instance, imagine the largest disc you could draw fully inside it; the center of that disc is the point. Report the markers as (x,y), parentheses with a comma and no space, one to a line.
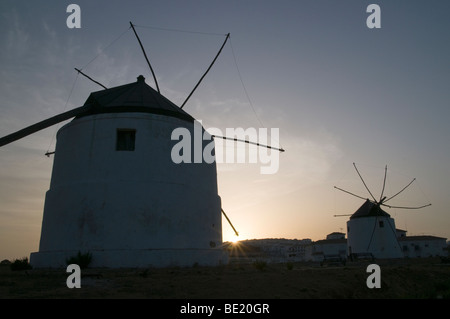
(126,139)
(381,223)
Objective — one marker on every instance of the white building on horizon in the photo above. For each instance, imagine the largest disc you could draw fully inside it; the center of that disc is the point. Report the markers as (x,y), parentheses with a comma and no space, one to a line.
(335,245)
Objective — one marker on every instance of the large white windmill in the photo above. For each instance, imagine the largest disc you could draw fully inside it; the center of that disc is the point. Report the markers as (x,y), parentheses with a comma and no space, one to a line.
(115,191)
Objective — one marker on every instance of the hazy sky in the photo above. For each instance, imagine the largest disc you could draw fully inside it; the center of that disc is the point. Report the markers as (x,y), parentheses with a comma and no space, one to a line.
(338,91)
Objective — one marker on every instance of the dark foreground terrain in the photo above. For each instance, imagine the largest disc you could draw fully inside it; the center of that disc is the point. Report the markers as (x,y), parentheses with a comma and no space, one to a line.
(421,278)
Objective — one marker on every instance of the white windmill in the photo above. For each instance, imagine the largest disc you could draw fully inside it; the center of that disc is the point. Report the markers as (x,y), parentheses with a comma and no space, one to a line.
(371,230)
(115,191)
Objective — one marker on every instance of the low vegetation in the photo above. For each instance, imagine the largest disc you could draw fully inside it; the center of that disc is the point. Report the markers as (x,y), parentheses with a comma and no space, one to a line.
(20,264)
(82,260)
(416,279)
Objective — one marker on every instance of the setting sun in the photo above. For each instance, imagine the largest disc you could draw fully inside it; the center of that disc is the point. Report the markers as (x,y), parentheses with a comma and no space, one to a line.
(234,239)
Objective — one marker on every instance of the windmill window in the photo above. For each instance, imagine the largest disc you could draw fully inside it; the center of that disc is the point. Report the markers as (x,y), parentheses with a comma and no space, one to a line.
(381,223)
(126,139)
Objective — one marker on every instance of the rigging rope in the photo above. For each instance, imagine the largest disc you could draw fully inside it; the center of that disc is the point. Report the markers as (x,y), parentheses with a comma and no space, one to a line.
(178,30)
(246,92)
(105,48)
(65,107)
(243,85)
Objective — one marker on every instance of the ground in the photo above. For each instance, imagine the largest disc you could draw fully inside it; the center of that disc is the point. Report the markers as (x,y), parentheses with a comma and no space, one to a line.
(420,278)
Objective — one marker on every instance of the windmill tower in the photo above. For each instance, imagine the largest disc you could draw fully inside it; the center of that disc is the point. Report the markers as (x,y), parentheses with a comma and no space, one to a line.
(115,191)
(371,230)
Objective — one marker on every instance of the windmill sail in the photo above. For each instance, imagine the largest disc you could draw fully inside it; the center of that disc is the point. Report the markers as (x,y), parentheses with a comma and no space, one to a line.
(383,199)
(44,124)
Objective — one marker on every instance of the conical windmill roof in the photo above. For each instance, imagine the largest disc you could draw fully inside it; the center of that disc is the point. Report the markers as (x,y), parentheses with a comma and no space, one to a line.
(134,97)
(369,209)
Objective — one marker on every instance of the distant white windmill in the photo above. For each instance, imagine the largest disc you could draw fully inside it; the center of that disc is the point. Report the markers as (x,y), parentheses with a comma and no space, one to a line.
(371,230)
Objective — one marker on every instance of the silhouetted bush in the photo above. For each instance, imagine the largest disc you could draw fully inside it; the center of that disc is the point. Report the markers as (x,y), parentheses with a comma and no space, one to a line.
(82,260)
(20,264)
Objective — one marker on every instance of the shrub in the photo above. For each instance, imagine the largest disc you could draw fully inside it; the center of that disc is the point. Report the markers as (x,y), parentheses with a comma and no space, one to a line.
(20,264)
(82,260)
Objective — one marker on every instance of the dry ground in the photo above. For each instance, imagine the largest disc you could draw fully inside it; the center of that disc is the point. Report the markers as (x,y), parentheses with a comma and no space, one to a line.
(422,278)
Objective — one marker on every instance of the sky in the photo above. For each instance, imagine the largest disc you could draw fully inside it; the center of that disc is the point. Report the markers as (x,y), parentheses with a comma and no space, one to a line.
(339,93)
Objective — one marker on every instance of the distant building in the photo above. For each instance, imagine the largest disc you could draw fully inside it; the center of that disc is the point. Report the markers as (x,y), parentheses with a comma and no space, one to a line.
(335,244)
(334,247)
(269,249)
(423,246)
(400,232)
(336,235)
(280,249)
(297,251)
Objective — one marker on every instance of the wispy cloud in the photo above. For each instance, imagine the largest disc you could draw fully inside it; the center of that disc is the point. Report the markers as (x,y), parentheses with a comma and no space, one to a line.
(17,42)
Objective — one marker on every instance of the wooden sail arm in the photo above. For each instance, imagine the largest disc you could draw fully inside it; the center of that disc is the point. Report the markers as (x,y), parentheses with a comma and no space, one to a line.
(43,124)
(249,142)
(229,221)
(201,79)
(87,76)
(145,55)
